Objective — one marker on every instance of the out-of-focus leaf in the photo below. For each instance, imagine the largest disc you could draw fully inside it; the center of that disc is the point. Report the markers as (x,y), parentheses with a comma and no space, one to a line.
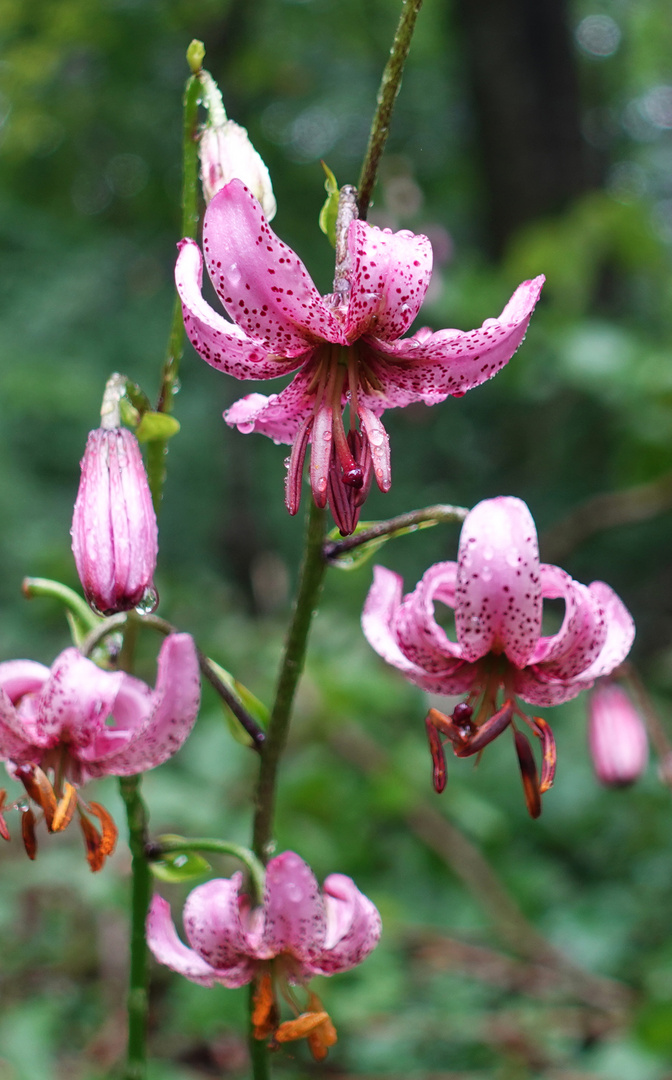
(180,866)
(352,560)
(155,425)
(256,708)
(329,211)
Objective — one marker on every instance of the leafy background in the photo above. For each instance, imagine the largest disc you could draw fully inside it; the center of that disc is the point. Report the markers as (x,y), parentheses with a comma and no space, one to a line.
(527,138)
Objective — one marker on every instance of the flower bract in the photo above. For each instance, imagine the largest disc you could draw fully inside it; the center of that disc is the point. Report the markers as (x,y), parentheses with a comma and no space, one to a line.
(347,349)
(496,590)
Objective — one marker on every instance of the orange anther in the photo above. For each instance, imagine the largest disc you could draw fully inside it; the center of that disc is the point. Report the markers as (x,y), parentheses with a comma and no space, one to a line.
(94,854)
(265,1011)
(65,809)
(38,788)
(110,831)
(300,1027)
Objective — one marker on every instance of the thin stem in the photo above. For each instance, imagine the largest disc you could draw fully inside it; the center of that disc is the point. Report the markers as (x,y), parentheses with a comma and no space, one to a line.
(414,519)
(310,582)
(137,1003)
(387,94)
(258,1048)
(158,448)
(78,608)
(165,845)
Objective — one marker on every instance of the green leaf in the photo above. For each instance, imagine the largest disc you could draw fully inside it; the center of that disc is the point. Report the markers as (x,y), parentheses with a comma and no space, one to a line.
(352,560)
(155,426)
(329,211)
(256,708)
(180,866)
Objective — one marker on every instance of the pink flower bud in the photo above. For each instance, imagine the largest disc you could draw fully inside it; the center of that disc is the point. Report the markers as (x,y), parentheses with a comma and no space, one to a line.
(114,531)
(226,153)
(616,736)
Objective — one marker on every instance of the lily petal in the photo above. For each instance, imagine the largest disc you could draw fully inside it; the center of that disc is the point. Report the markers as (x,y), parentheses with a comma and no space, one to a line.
(175,706)
(389,275)
(430,367)
(620,632)
(221,343)
(213,926)
(166,946)
(280,416)
(582,634)
(420,637)
(262,283)
(75,701)
(353,925)
(498,595)
(294,915)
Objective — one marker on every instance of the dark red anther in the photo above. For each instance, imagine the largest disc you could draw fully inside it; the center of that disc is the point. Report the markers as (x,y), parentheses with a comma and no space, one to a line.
(439,775)
(462,713)
(353,476)
(528,772)
(28,832)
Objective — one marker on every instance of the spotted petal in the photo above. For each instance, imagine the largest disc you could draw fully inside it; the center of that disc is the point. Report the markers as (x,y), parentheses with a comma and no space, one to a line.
(175,703)
(429,367)
(214,929)
(75,701)
(166,946)
(221,343)
(279,416)
(353,926)
(294,915)
(389,275)
(498,595)
(262,283)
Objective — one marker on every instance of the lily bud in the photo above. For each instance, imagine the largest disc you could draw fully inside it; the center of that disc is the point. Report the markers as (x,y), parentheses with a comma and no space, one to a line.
(616,736)
(226,153)
(114,530)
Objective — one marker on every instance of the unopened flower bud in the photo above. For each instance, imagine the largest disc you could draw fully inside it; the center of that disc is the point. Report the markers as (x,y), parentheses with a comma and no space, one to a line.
(114,530)
(616,736)
(226,154)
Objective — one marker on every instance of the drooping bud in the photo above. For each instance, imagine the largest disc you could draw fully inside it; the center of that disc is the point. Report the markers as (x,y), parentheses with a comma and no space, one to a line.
(616,736)
(114,530)
(226,153)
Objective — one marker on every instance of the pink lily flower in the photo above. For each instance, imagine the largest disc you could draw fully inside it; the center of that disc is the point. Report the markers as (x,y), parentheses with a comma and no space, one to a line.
(616,736)
(347,348)
(55,735)
(295,933)
(496,589)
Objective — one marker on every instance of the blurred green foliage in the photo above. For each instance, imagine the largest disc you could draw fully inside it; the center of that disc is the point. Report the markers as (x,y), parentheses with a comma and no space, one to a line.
(91,127)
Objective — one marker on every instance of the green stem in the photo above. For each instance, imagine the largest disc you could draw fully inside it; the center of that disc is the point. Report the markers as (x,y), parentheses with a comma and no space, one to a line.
(72,601)
(164,845)
(387,94)
(258,1048)
(414,519)
(158,448)
(310,582)
(137,1004)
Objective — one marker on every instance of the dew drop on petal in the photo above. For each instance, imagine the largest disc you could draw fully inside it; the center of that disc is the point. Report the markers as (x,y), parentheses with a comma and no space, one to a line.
(294,892)
(486,574)
(149,602)
(322,484)
(234,275)
(488,553)
(376,437)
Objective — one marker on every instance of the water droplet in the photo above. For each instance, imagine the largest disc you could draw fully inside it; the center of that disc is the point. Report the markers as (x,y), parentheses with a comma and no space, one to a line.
(377,437)
(326,435)
(176,387)
(322,484)
(294,892)
(512,557)
(488,553)
(234,275)
(486,574)
(149,602)
(246,427)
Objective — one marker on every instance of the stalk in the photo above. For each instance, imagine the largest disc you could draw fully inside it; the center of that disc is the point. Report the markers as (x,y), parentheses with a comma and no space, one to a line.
(387,95)
(141,888)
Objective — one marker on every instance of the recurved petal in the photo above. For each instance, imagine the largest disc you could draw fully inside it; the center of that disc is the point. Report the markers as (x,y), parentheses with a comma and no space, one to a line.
(262,283)
(19,677)
(213,926)
(378,620)
(620,631)
(353,925)
(583,633)
(420,637)
(294,915)
(15,743)
(280,416)
(175,705)
(430,367)
(166,946)
(389,275)
(75,701)
(221,343)
(498,595)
